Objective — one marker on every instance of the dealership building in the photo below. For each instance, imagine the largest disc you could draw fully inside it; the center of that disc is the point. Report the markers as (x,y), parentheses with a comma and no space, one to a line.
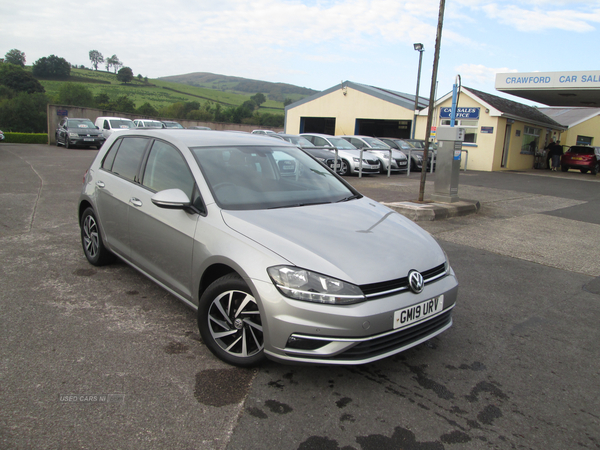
(501,134)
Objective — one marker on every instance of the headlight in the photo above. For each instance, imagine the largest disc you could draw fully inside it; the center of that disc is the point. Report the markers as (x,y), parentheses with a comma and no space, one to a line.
(301,284)
(419,157)
(71,134)
(356,159)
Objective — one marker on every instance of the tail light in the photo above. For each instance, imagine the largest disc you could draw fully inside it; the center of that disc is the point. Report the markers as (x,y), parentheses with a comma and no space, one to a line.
(85,176)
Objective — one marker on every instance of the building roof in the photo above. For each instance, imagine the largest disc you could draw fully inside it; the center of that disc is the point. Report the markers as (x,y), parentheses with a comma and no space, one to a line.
(569,117)
(515,110)
(398,98)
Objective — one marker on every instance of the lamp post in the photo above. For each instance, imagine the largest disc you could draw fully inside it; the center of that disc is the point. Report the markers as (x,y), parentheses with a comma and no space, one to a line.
(420,49)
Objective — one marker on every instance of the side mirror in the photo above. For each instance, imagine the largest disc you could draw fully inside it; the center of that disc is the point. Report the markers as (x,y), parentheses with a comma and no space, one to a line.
(171,199)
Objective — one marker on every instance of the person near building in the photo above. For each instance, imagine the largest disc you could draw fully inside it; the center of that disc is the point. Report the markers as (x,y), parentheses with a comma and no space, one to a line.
(548,155)
(555,152)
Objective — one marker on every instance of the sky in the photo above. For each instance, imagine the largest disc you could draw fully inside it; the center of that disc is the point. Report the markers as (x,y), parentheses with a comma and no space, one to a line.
(314,43)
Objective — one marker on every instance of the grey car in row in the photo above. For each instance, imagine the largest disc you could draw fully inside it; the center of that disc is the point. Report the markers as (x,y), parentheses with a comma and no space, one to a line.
(280,257)
(78,132)
(350,156)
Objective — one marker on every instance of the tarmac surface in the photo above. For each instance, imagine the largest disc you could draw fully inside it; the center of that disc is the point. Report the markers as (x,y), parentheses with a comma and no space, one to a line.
(102,358)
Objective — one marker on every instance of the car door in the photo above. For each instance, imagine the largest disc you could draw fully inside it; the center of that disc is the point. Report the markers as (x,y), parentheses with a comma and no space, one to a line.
(162,239)
(118,178)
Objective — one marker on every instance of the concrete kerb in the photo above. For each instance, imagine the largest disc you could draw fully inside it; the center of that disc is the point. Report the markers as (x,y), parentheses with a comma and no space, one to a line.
(434,210)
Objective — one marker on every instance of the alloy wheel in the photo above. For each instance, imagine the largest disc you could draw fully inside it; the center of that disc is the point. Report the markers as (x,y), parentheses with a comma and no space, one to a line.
(90,236)
(235,325)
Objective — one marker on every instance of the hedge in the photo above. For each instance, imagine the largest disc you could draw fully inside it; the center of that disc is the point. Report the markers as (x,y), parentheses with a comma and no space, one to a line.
(25,138)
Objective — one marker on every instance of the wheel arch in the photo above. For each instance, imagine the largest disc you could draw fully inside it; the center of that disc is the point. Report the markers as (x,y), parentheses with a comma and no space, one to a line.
(213,273)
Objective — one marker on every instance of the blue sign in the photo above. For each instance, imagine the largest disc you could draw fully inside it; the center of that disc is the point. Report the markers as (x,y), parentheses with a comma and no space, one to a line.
(488,130)
(62,112)
(461,113)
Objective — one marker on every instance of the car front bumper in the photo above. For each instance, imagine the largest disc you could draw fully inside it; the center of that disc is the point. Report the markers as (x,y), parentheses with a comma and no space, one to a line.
(305,332)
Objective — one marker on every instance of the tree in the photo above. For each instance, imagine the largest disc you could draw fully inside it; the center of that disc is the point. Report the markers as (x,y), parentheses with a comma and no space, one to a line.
(147,110)
(114,62)
(125,75)
(96,58)
(102,101)
(18,79)
(15,57)
(259,98)
(75,94)
(51,67)
(124,104)
(287,101)
(25,113)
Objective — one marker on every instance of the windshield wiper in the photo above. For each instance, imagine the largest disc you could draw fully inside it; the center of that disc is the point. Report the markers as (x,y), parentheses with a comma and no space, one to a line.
(296,205)
(352,197)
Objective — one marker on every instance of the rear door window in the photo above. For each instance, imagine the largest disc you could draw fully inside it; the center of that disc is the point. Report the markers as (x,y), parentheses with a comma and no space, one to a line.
(129,157)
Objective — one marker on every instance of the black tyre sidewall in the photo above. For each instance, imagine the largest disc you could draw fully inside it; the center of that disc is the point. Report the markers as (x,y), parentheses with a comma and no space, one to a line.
(104,256)
(228,282)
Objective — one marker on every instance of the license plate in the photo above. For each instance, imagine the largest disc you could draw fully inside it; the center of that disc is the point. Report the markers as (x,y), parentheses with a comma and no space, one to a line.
(418,312)
(575,158)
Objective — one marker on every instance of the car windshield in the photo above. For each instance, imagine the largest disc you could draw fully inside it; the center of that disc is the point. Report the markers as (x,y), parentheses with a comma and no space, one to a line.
(152,124)
(80,123)
(173,125)
(341,144)
(248,178)
(299,141)
(120,123)
(376,143)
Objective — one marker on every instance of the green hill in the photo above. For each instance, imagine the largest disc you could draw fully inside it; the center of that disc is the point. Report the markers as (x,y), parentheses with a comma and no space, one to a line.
(273,91)
(199,87)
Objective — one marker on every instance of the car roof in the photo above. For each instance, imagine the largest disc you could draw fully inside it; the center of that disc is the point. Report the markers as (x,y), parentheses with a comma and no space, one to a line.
(206,138)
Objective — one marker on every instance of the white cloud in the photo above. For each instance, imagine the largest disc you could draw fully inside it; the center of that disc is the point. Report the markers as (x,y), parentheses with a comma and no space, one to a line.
(479,75)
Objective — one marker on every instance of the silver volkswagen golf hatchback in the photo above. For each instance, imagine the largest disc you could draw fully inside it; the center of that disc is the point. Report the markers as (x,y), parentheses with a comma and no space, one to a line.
(280,257)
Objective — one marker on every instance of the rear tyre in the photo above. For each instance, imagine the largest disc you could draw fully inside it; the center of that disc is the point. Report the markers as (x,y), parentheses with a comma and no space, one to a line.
(67,143)
(583,170)
(91,240)
(230,323)
(595,169)
(57,143)
(564,168)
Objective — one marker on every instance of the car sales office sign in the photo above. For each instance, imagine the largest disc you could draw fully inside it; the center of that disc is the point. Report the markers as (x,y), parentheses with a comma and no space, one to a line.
(461,113)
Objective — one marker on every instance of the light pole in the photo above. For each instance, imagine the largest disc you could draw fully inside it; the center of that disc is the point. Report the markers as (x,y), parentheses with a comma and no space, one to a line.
(420,49)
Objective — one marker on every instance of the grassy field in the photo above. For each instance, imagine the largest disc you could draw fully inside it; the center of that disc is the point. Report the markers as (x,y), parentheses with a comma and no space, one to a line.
(158,93)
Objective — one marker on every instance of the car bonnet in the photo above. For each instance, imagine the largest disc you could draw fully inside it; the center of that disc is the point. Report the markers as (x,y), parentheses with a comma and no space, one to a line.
(359,241)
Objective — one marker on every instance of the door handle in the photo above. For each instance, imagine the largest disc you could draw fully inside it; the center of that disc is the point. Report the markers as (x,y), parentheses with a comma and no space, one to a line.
(100,184)
(135,202)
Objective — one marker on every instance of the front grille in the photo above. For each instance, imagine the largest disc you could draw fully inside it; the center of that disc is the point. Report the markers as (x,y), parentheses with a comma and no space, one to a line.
(385,288)
(390,342)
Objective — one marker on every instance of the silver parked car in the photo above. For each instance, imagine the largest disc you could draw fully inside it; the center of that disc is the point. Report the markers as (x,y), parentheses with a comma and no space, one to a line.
(280,257)
(348,153)
(382,151)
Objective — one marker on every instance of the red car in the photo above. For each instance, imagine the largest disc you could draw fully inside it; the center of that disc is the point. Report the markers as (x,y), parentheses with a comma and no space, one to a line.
(583,158)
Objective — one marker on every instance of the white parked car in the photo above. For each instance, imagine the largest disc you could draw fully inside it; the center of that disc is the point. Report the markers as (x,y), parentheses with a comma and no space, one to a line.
(147,123)
(110,124)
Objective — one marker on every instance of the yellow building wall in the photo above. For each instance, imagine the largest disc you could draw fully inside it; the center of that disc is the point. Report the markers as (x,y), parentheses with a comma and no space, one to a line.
(482,154)
(590,128)
(346,109)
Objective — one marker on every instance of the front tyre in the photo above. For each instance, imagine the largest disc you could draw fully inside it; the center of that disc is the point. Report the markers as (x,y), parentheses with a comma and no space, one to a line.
(91,240)
(229,322)
(345,168)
